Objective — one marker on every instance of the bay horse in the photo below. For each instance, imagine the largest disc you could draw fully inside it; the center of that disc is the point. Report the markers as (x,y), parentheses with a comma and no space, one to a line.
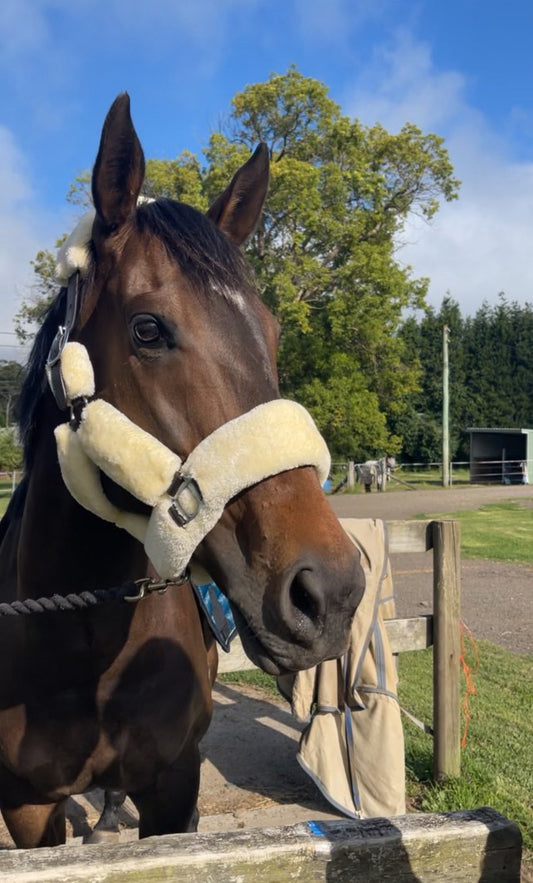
(118,696)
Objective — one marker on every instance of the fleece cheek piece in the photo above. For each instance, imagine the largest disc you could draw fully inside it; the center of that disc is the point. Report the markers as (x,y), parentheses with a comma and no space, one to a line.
(187,501)
(77,372)
(131,457)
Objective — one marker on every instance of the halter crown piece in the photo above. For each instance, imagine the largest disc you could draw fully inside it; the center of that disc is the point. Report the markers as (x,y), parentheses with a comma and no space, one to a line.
(187,499)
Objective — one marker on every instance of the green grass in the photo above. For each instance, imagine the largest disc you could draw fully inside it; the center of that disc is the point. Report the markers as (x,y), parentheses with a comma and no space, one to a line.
(497,761)
(498,531)
(253,678)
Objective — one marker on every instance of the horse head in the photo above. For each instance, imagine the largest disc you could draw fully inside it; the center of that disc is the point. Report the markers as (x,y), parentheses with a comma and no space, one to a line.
(181,344)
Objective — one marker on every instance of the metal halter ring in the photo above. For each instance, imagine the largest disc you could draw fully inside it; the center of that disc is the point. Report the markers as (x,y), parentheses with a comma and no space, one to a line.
(177,511)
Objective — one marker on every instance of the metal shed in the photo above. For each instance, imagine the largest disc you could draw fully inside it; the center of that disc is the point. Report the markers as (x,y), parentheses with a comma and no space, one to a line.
(501,455)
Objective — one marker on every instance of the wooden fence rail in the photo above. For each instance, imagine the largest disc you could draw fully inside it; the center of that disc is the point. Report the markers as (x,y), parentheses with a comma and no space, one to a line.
(441,629)
(478,846)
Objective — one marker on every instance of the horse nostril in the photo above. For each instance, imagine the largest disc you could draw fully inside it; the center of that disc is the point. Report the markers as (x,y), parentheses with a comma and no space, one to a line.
(305,606)
(303,598)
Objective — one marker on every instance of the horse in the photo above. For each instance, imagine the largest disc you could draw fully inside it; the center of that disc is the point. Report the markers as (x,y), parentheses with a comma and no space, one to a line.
(376,472)
(181,348)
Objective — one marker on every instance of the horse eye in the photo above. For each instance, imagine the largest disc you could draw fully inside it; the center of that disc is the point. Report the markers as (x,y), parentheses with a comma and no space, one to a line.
(146,330)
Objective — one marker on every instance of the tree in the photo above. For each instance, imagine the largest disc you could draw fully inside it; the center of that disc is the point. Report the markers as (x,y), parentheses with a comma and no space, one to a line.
(44,289)
(325,251)
(491,375)
(10,451)
(420,426)
(498,344)
(11,376)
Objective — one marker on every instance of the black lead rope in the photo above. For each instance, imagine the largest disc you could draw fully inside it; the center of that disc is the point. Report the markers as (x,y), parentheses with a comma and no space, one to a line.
(132,591)
(68,602)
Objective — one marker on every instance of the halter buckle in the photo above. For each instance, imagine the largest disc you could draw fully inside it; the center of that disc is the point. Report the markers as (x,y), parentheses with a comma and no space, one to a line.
(53,361)
(180,512)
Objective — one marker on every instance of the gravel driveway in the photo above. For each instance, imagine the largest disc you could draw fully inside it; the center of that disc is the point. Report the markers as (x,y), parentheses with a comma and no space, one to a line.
(497,599)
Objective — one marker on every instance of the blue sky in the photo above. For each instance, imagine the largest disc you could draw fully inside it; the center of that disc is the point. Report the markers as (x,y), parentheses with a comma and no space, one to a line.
(460,68)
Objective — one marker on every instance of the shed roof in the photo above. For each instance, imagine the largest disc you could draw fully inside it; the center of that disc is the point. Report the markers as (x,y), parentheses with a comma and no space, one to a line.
(499,429)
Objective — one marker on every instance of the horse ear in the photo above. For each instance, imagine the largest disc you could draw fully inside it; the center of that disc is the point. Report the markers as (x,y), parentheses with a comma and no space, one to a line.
(238,209)
(118,172)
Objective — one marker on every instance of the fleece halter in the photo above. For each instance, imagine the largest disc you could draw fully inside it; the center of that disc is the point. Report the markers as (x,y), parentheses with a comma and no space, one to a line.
(186,498)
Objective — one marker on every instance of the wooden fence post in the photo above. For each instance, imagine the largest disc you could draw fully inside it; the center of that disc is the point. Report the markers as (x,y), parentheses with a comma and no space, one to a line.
(351,475)
(446,649)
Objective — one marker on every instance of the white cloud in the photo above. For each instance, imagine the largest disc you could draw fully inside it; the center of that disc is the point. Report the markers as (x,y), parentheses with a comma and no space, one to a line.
(23,231)
(480,244)
(401,85)
(335,21)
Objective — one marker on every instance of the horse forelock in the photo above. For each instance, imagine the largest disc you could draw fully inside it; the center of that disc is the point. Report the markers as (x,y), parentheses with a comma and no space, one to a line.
(206,256)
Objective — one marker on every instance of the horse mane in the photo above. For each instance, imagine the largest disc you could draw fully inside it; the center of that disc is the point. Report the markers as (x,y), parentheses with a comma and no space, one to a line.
(35,382)
(205,256)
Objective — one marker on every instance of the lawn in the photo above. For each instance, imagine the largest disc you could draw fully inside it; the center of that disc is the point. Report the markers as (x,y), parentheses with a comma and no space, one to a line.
(496,762)
(498,531)
(5,495)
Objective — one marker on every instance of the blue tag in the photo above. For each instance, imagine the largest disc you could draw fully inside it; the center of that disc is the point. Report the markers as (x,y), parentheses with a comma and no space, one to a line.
(218,613)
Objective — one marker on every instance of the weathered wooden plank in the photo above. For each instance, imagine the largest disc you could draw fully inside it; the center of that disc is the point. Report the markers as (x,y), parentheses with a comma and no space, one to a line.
(462,847)
(447,648)
(410,536)
(410,633)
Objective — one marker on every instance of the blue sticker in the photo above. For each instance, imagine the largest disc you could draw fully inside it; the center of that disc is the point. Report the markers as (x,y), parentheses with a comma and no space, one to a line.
(315,829)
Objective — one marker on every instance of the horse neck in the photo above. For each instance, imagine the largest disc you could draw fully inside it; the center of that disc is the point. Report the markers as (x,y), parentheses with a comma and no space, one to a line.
(61,547)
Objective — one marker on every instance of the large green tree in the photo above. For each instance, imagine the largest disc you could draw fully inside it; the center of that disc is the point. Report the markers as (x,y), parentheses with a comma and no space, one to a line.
(325,251)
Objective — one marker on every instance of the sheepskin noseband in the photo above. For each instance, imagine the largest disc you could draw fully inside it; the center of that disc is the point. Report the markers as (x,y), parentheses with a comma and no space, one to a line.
(187,499)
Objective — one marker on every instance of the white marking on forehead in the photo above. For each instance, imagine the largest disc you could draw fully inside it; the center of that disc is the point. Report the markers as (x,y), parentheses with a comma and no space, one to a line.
(229,294)
(238,300)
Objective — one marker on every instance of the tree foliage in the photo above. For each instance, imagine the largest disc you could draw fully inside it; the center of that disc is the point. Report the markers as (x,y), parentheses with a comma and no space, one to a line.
(491,375)
(33,310)
(325,250)
(11,376)
(10,451)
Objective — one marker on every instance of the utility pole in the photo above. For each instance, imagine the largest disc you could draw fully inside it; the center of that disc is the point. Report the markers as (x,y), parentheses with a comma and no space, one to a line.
(445,409)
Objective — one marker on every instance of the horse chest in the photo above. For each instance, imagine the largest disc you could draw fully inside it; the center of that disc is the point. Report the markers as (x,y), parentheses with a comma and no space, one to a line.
(120,710)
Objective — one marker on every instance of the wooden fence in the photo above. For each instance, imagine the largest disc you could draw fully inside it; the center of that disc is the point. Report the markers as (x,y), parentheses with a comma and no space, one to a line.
(441,629)
(478,846)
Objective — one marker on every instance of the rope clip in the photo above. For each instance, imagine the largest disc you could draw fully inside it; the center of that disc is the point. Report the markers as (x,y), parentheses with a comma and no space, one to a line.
(147,585)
